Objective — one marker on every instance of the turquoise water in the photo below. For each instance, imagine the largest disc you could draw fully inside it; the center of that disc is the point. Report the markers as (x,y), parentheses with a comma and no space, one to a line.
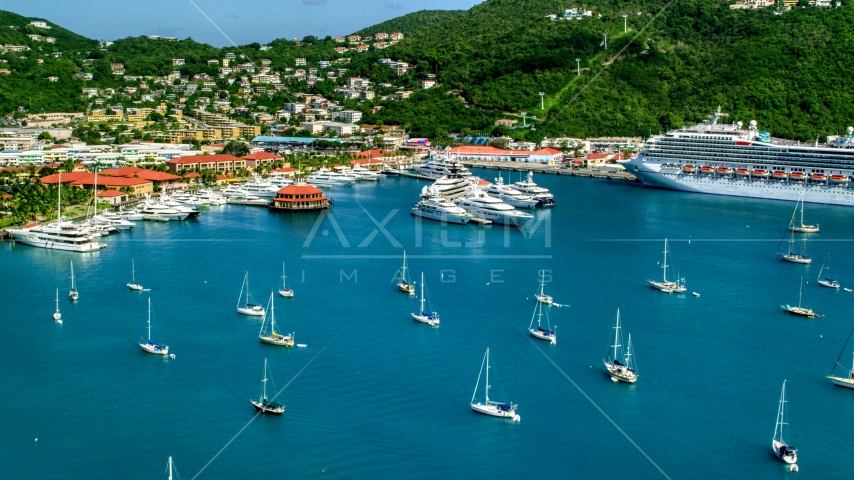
(386,397)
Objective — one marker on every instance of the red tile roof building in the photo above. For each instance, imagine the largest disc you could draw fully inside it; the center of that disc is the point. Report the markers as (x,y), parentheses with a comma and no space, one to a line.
(220,163)
(299,197)
(261,159)
(543,155)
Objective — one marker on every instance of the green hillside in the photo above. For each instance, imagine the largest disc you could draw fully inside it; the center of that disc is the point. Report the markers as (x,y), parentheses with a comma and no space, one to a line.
(411,23)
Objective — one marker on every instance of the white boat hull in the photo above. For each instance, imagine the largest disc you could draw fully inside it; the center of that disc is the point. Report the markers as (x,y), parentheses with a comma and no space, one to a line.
(251,311)
(621,374)
(25,238)
(790,459)
(547,336)
(433,322)
(445,217)
(153,349)
(842,382)
(494,411)
(284,341)
(286,293)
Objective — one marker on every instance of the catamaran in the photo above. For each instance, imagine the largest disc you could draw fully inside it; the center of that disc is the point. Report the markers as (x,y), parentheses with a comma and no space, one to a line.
(621,366)
(151,346)
(57,317)
(285,291)
(133,285)
(800,310)
(248,308)
(848,380)
(541,295)
(665,285)
(424,316)
(72,294)
(491,407)
(274,337)
(826,281)
(263,404)
(802,228)
(782,450)
(403,285)
(548,334)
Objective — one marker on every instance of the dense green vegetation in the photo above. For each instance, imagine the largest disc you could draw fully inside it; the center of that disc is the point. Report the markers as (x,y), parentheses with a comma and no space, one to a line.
(790,72)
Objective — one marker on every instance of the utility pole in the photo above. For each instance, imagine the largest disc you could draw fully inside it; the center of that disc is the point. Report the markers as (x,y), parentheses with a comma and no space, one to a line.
(625,25)
(578,65)
(524,124)
(542,102)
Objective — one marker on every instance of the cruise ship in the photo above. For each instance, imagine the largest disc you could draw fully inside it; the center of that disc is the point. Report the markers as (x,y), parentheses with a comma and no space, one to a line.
(726,159)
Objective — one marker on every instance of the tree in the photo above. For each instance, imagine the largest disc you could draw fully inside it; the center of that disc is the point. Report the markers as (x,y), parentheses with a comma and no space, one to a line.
(45,136)
(236,148)
(67,166)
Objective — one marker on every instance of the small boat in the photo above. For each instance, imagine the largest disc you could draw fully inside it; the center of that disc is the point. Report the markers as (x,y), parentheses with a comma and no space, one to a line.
(425,316)
(133,285)
(791,255)
(826,281)
(799,310)
(285,291)
(665,285)
(742,172)
(848,380)
(802,228)
(387,170)
(688,168)
(263,404)
(781,449)
(491,407)
(705,169)
(818,177)
(248,308)
(838,178)
(151,346)
(848,289)
(797,176)
(759,173)
(621,366)
(57,317)
(696,294)
(548,334)
(72,294)
(402,284)
(780,175)
(274,337)
(723,170)
(541,295)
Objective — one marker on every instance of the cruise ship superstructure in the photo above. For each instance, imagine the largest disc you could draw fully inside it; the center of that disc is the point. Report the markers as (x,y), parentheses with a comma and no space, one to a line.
(726,159)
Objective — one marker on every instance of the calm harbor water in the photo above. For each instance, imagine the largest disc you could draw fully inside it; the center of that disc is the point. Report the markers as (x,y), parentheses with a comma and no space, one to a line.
(386,397)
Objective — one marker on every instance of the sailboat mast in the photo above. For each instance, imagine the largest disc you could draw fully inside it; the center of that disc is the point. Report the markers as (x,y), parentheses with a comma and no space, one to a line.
(72,275)
(801,292)
(629,352)
(132,271)
(264,382)
(487,376)
(272,314)
(149,319)
(57,299)
(284,286)
(170,469)
(617,335)
(422,293)
(403,269)
(664,267)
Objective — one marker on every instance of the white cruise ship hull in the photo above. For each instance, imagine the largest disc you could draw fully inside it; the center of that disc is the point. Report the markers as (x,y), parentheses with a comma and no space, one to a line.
(651,175)
(34,240)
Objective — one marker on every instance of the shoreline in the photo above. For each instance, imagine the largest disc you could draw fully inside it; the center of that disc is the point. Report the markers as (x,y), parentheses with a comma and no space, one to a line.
(552,170)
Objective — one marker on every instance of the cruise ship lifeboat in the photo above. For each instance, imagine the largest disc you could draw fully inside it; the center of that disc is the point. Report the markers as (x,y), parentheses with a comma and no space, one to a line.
(707,170)
(688,169)
(818,177)
(760,173)
(724,170)
(742,171)
(798,175)
(780,175)
(838,178)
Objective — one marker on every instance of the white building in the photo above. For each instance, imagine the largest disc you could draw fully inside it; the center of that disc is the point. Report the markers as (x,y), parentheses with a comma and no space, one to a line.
(341,128)
(349,116)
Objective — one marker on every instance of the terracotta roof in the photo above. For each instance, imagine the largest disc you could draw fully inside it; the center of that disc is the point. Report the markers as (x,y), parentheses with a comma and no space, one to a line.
(191,175)
(155,176)
(111,181)
(597,156)
(66,177)
(120,172)
(222,157)
(262,156)
(375,153)
(299,190)
(366,161)
(284,170)
(111,193)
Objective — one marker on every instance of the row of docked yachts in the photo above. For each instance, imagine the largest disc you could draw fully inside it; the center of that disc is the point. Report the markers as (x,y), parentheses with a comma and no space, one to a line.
(457,196)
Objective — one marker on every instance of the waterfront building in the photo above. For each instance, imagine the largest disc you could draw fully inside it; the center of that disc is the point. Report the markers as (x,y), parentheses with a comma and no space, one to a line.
(299,197)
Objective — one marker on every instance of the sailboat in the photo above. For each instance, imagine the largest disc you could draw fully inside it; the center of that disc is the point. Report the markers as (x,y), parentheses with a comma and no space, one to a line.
(169,468)
(791,255)
(274,338)
(57,317)
(263,404)
(848,380)
(665,285)
(72,294)
(621,366)
(548,334)
(403,285)
(541,295)
(826,281)
(802,228)
(248,308)
(783,451)
(285,291)
(491,407)
(133,285)
(799,310)
(424,316)
(151,346)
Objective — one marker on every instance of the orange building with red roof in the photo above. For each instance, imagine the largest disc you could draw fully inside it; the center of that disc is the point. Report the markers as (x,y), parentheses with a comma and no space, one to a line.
(484,153)
(220,163)
(261,159)
(299,197)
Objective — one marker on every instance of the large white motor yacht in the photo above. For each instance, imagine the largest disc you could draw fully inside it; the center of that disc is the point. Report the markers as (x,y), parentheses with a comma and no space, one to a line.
(509,195)
(481,205)
(327,178)
(261,187)
(528,187)
(365,174)
(57,236)
(434,207)
(157,211)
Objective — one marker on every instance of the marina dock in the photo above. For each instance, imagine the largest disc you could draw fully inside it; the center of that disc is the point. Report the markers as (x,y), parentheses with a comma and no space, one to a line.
(553,170)
(406,173)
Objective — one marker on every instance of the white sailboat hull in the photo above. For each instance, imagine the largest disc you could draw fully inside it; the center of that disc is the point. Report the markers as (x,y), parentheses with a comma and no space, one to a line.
(842,382)
(667,287)
(282,341)
(251,311)
(424,319)
(153,350)
(547,336)
(790,459)
(494,411)
(621,373)
(286,293)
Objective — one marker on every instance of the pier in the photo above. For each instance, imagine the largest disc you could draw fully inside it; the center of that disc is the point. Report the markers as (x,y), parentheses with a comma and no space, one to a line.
(553,170)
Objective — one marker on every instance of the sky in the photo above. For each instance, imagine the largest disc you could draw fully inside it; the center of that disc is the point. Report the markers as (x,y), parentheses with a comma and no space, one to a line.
(243,21)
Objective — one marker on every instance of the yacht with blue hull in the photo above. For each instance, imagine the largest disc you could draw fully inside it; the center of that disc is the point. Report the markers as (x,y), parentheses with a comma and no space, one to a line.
(726,159)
